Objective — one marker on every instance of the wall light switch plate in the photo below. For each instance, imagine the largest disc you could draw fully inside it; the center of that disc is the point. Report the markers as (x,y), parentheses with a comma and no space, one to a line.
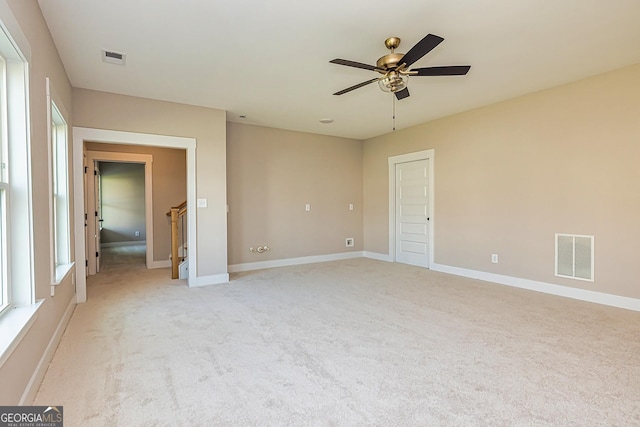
(202,203)
(350,206)
(307,207)
(494,258)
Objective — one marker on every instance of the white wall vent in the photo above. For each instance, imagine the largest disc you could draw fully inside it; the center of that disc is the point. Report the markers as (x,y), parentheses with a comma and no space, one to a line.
(113,57)
(574,256)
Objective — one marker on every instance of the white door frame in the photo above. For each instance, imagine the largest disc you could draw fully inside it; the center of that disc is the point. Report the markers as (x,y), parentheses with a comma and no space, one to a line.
(147,160)
(82,135)
(403,158)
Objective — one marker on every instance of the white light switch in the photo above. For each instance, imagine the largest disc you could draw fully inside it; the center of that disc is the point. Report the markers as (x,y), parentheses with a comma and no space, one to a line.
(350,206)
(307,207)
(202,203)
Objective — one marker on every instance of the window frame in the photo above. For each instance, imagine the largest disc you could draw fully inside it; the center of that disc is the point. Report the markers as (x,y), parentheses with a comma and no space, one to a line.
(59,188)
(22,309)
(5,274)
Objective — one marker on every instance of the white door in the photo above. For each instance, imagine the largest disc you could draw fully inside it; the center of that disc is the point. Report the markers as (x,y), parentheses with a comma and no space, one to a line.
(98,211)
(86,215)
(412,213)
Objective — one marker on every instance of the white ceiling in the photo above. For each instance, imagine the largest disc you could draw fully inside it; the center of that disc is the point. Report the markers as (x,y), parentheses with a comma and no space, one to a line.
(269,60)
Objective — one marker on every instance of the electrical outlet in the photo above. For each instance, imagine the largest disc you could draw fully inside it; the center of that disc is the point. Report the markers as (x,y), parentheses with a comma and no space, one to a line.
(137,234)
(349,241)
(494,258)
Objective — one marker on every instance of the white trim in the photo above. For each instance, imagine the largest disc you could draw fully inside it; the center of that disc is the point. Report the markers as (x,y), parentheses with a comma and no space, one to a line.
(249,266)
(216,279)
(53,101)
(547,288)
(61,274)
(147,160)
(378,256)
(403,158)
(80,135)
(14,31)
(31,389)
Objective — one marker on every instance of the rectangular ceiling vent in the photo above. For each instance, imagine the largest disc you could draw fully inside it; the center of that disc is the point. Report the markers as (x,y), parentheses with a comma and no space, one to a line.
(574,256)
(113,57)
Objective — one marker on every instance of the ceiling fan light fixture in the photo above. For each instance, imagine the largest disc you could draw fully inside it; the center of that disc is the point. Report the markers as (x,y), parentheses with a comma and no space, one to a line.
(393,82)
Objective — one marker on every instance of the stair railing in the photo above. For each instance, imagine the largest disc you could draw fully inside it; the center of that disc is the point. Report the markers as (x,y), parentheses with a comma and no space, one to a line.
(177,239)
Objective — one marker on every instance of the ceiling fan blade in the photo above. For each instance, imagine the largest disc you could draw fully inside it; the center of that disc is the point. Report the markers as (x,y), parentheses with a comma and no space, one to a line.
(359,85)
(453,70)
(424,46)
(353,64)
(402,94)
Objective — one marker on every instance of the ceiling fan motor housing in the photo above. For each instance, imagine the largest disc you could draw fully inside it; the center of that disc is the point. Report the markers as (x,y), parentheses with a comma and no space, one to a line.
(390,61)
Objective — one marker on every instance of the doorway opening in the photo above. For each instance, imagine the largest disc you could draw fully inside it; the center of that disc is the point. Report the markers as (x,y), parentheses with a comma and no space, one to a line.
(128,209)
(120,197)
(81,222)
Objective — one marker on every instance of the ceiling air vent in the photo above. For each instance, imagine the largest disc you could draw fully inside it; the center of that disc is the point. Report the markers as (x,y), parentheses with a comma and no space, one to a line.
(113,57)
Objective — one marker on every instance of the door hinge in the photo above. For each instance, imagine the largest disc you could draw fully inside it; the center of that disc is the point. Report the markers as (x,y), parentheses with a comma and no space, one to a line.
(96,213)
(85,217)
(95,173)
(85,169)
(97,254)
(86,263)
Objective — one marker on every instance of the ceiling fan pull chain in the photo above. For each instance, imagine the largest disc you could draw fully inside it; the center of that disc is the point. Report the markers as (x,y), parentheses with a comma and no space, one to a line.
(394,112)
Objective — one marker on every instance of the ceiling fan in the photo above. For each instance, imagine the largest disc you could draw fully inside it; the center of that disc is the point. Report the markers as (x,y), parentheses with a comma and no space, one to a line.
(395,70)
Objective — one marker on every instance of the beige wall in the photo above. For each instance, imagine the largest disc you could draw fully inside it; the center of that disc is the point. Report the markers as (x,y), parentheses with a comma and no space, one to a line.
(102,110)
(169,187)
(273,174)
(16,372)
(511,175)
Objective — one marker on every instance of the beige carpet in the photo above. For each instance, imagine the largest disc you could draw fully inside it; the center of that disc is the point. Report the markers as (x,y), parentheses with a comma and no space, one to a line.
(356,342)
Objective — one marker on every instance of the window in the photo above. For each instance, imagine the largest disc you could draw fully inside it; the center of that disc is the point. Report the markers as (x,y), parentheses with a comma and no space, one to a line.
(4,191)
(59,202)
(17,294)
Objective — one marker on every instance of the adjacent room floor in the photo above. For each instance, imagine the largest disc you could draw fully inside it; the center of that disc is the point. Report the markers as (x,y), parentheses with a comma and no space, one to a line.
(354,342)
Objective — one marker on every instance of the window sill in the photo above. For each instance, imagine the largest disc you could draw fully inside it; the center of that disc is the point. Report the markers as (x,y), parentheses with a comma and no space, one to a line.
(14,324)
(62,271)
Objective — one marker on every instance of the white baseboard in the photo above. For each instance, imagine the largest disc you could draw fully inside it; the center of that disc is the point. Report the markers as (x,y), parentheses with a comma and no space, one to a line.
(533,285)
(378,256)
(160,264)
(129,243)
(31,389)
(215,279)
(547,288)
(248,266)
